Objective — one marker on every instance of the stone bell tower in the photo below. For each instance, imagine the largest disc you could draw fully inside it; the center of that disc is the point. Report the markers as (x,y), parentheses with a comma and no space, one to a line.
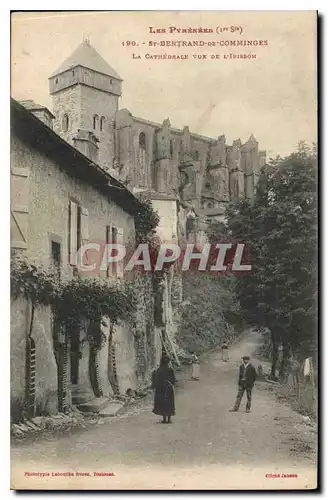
(85,92)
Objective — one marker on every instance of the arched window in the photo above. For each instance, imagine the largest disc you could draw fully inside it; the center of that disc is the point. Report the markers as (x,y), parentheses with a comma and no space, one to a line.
(196,155)
(65,123)
(142,156)
(102,123)
(142,141)
(95,122)
(171,149)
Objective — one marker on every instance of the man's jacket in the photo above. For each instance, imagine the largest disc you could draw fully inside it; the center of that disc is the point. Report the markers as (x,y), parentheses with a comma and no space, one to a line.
(247,375)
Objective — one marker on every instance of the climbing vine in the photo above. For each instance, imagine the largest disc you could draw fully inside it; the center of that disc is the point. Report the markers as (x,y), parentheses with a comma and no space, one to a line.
(36,284)
(79,298)
(81,302)
(92,299)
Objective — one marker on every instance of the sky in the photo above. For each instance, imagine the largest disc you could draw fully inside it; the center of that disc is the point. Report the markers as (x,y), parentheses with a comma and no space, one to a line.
(272,96)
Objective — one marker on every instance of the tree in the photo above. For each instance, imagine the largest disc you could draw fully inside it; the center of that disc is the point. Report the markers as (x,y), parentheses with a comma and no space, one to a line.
(279,227)
(146,220)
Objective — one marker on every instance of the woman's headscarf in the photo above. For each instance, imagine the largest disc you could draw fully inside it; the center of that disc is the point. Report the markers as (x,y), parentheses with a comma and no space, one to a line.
(165,360)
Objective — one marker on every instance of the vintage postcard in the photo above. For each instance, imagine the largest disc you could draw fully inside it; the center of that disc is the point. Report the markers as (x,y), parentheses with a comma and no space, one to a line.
(163,250)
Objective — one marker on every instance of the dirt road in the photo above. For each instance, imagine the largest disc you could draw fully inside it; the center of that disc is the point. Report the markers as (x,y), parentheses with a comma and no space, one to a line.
(206,447)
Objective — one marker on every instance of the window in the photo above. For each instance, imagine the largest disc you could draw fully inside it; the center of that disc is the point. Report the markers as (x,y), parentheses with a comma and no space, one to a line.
(73,72)
(114,242)
(55,252)
(142,140)
(142,152)
(65,122)
(74,231)
(110,81)
(114,236)
(108,235)
(111,239)
(56,81)
(95,122)
(171,149)
(78,233)
(55,255)
(196,155)
(102,123)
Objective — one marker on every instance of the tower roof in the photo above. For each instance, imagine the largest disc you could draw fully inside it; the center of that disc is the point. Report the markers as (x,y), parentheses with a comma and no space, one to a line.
(85,55)
(252,139)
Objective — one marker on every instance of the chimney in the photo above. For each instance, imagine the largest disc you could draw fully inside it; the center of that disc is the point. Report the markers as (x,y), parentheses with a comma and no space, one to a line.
(39,111)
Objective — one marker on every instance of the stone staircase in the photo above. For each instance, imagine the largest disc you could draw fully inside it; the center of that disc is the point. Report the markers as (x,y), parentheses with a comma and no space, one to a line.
(86,402)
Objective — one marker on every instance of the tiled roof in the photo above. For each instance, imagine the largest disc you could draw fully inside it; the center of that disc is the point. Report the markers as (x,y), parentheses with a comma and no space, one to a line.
(85,55)
(30,105)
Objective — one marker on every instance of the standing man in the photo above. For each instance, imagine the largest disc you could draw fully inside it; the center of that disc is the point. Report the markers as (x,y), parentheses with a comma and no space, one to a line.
(247,377)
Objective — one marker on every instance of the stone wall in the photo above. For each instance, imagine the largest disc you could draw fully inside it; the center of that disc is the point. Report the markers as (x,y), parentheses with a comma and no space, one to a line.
(167,211)
(67,102)
(210,168)
(46,367)
(98,103)
(81,103)
(125,355)
(50,191)
(146,337)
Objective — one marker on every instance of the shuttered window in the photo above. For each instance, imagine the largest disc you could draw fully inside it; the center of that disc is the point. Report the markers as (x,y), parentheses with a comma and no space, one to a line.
(19,207)
(120,264)
(114,252)
(73,232)
(84,225)
(108,240)
(114,236)
(78,231)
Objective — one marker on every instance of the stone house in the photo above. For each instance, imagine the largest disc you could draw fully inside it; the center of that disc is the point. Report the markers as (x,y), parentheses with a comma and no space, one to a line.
(59,200)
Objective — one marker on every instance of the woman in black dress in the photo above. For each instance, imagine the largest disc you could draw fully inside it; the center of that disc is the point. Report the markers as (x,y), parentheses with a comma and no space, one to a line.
(163,383)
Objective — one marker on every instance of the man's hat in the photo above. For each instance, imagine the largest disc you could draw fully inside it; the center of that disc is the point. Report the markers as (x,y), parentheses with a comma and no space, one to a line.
(245,357)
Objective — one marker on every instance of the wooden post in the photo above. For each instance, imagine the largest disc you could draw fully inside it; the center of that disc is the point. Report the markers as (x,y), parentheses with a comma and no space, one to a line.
(313,384)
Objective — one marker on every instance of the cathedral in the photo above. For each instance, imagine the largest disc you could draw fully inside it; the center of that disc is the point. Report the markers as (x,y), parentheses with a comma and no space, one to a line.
(190,179)
(202,173)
